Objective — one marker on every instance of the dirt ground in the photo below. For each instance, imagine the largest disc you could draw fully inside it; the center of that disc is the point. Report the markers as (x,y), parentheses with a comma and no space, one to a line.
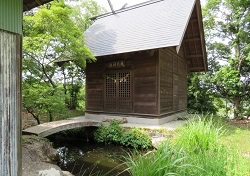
(241,123)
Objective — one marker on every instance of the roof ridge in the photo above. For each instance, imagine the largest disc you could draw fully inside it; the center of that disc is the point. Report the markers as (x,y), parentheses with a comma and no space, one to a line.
(127,9)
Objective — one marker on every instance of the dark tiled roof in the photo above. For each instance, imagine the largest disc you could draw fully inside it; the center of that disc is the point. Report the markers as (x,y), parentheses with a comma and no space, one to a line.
(150,25)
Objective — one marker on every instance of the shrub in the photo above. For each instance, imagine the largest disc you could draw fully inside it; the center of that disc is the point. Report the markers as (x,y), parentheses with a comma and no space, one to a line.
(100,135)
(136,139)
(114,132)
(108,134)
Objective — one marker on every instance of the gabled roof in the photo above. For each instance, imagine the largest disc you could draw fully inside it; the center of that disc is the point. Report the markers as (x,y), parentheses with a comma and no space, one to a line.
(150,25)
(29,4)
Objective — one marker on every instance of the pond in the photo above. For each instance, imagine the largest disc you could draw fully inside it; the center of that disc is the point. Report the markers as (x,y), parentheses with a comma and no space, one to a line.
(88,158)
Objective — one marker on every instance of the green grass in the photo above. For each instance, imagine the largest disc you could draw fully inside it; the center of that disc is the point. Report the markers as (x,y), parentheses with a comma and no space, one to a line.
(237,138)
(162,162)
(204,147)
(199,135)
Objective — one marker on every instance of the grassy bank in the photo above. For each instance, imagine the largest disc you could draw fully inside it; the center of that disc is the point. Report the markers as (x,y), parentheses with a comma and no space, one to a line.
(204,147)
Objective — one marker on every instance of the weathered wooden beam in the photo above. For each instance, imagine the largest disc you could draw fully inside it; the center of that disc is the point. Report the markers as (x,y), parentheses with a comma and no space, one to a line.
(193,20)
(194,56)
(203,45)
(192,39)
(38,2)
(197,69)
(25,7)
(10,104)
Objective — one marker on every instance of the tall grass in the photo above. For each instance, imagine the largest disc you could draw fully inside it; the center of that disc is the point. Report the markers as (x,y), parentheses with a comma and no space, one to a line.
(162,162)
(196,151)
(200,141)
(199,135)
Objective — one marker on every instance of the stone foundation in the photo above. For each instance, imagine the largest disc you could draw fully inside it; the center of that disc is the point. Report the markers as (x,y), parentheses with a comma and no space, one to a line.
(136,119)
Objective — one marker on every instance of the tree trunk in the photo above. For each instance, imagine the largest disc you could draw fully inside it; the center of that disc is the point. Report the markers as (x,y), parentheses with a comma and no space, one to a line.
(37,119)
(50,117)
(64,80)
(236,107)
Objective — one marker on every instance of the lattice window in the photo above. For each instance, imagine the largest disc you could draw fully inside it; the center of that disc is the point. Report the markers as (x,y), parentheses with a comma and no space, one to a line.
(124,91)
(111,85)
(124,84)
(110,91)
(118,91)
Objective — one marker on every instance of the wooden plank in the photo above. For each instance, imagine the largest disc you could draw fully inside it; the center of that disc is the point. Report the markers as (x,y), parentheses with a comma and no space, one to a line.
(166,81)
(145,85)
(94,86)
(145,109)
(10,101)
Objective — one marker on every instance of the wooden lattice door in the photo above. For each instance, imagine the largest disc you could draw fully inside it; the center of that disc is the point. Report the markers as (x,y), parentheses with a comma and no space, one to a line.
(118,96)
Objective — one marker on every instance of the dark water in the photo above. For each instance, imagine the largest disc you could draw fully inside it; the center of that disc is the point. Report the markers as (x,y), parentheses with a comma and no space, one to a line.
(86,158)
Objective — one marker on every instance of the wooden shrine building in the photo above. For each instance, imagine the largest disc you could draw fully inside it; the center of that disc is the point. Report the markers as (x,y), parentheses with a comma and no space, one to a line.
(144,54)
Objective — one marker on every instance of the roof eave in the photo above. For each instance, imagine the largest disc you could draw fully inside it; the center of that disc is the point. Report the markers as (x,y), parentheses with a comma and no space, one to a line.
(30,4)
(204,53)
(184,31)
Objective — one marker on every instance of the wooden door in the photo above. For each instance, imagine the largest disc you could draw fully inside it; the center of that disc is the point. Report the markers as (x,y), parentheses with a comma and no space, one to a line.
(118,97)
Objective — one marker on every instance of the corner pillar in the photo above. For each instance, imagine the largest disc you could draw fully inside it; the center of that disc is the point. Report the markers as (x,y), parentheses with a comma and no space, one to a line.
(10,103)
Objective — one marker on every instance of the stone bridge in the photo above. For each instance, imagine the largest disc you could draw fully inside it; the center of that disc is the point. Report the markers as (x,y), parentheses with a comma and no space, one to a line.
(46,129)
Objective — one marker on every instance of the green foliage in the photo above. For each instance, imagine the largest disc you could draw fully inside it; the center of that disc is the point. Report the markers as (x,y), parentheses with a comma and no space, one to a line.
(226,24)
(199,136)
(51,34)
(161,162)
(100,135)
(81,99)
(136,138)
(83,10)
(200,98)
(201,144)
(54,59)
(114,134)
(109,134)
(40,99)
(197,150)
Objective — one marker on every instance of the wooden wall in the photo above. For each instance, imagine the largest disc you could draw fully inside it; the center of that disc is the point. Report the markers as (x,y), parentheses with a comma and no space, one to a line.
(145,83)
(173,81)
(142,67)
(94,86)
(166,81)
(10,104)
(158,83)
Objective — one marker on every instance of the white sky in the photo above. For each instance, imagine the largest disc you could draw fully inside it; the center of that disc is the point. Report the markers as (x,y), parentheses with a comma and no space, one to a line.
(117,4)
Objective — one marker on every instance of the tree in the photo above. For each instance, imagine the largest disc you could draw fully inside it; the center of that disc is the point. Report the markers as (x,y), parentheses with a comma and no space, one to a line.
(83,11)
(50,35)
(40,99)
(51,38)
(227,28)
(200,97)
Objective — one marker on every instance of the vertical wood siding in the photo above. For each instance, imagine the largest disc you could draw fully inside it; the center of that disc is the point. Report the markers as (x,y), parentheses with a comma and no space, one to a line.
(142,68)
(11,14)
(173,81)
(166,81)
(10,104)
(94,86)
(145,84)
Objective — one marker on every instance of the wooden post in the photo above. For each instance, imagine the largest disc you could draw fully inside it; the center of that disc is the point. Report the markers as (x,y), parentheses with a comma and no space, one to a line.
(10,104)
